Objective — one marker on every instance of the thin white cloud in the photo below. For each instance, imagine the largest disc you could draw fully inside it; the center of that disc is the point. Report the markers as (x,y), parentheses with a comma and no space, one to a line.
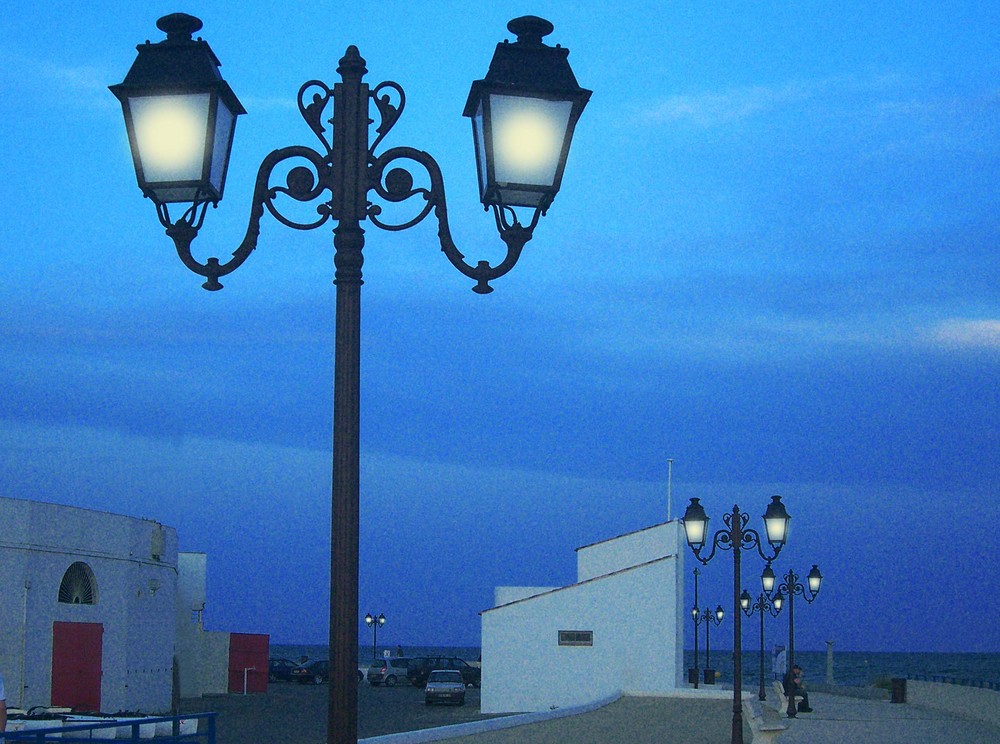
(713,109)
(966,333)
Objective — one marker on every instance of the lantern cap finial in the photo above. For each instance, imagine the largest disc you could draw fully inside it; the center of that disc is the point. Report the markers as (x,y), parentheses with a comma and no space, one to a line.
(530,29)
(179,26)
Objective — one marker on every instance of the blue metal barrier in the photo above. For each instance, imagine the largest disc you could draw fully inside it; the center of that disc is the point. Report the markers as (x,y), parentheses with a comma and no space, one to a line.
(83,732)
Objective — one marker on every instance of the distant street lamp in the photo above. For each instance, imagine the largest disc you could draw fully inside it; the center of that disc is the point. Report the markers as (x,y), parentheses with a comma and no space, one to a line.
(374,622)
(737,538)
(180,116)
(696,616)
(790,587)
(708,617)
(761,606)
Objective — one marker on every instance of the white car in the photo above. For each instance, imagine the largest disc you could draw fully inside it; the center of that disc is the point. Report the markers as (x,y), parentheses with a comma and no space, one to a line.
(445,686)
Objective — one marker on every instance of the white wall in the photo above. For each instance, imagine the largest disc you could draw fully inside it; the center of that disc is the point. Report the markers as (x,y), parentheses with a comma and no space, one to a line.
(627,550)
(38,543)
(634,623)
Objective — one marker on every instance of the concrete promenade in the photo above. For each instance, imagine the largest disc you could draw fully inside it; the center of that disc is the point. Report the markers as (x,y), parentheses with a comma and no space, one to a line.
(654,720)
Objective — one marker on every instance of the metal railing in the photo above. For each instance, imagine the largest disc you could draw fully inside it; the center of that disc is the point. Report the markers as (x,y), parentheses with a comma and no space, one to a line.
(71,733)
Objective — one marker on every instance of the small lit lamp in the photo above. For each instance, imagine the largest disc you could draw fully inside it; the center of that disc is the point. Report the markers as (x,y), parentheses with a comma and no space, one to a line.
(815,579)
(767,579)
(719,614)
(523,116)
(180,116)
(778,601)
(695,525)
(745,601)
(776,522)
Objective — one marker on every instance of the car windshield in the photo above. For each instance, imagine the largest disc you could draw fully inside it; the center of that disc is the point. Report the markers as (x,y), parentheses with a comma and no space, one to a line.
(443,676)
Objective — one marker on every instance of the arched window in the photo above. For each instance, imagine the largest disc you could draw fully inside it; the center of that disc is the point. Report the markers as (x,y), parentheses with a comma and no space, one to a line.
(78,585)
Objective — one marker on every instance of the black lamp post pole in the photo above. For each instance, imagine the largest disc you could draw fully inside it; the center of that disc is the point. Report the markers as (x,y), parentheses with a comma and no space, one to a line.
(696,616)
(761,606)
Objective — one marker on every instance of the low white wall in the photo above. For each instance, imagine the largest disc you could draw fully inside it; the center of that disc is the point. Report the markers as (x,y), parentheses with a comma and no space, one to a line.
(968,702)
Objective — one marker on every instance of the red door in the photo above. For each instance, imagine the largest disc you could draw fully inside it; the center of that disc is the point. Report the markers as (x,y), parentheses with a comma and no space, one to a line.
(248,655)
(77,652)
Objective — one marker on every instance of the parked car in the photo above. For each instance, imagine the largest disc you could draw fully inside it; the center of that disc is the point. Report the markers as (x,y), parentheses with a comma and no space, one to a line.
(315,673)
(387,671)
(280,670)
(445,686)
(420,667)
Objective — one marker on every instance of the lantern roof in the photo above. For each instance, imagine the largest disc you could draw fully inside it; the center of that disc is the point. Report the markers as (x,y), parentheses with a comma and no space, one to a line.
(178,64)
(528,66)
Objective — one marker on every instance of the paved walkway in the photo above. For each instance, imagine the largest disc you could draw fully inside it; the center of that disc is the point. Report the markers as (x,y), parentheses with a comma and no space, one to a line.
(835,720)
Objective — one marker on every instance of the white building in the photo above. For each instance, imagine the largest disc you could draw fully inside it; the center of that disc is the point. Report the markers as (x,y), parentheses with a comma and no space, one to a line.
(96,609)
(87,610)
(618,629)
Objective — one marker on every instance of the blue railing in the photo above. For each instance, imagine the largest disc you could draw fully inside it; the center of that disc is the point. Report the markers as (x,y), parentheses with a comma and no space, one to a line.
(71,733)
(986,685)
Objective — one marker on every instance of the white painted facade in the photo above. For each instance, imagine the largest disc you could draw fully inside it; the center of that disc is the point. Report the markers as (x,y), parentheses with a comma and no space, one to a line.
(628,599)
(134,570)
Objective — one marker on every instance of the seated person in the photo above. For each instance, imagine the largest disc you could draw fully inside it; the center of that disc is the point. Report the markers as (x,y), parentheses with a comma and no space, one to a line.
(794,688)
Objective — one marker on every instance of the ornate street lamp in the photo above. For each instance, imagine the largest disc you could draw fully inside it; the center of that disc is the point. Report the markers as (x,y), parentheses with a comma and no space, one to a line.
(374,622)
(180,117)
(737,537)
(708,616)
(761,606)
(789,588)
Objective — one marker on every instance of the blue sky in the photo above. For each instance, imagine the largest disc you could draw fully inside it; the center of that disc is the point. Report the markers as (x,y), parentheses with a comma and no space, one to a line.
(774,260)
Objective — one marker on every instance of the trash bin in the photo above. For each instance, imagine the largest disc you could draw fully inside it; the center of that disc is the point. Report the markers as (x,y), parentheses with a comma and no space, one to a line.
(692,676)
(898,693)
(709,677)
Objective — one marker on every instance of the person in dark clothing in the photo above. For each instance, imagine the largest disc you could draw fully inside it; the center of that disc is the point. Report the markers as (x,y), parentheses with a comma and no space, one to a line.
(794,688)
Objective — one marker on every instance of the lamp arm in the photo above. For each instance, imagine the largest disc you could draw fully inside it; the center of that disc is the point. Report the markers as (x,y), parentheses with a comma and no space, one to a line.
(396,185)
(302,184)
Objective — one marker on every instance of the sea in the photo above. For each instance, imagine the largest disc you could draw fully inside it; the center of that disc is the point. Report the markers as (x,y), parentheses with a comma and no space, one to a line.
(849,668)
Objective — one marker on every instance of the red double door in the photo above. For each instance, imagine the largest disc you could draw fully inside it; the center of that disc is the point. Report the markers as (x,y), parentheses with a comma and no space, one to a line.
(77,655)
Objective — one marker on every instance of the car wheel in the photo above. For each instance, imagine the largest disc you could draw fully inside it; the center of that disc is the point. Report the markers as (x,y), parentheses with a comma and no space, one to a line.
(390,681)
(360,676)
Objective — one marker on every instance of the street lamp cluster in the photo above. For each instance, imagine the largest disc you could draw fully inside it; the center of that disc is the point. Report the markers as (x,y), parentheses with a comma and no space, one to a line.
(737,536)
(180,117)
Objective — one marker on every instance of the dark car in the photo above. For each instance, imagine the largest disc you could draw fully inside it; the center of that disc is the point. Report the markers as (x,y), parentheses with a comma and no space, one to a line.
(420,667)
(388,671)
(280,670)
(314,673)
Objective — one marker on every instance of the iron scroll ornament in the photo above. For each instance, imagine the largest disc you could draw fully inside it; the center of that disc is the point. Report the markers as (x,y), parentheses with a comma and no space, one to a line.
(385,176)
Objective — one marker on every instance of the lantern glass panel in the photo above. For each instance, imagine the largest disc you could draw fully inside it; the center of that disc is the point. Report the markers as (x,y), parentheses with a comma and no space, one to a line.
(171,135)
(528,135)
(225,122)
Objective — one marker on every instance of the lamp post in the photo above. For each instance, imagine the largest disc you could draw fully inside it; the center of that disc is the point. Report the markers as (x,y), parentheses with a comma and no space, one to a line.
(180,117)
(737,537)
(709,617)
(374,622)
(761,606)
(696,617)
(790,587)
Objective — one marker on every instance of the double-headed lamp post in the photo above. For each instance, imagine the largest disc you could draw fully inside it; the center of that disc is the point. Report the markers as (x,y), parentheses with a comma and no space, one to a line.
(374,622)
(708,617)
(762,606)
(790,587)
(737,537)
(180,116)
